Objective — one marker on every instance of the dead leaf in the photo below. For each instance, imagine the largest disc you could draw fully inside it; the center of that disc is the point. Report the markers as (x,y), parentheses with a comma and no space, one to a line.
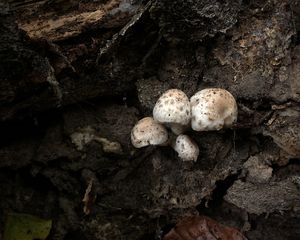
(202,227)
(89,198)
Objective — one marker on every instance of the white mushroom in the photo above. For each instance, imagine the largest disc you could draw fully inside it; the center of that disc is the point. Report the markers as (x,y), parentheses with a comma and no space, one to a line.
(148,132)
(213,109)
(186,148)
(173,109)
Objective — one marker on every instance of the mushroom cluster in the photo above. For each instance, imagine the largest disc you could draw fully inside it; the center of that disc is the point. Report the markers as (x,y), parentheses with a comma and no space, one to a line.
(208,110)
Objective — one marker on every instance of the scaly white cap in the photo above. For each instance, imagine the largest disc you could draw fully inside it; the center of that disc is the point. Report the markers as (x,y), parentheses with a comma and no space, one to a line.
(148,132)
(213,109)
(173,109)
(186,148)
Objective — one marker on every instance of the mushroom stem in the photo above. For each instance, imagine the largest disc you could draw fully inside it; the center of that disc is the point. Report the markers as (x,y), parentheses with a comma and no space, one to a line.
(178,128)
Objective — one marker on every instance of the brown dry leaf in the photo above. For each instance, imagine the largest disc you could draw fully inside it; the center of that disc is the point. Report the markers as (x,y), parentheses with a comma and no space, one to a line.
(89,198)
(202,227)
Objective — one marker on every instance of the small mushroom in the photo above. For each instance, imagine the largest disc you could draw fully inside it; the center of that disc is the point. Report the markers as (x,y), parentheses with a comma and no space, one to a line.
(173,109)
(213,109)
(148,132)
(186,148)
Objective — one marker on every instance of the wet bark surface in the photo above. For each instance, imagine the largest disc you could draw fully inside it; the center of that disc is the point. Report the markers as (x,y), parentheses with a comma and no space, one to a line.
(75,76)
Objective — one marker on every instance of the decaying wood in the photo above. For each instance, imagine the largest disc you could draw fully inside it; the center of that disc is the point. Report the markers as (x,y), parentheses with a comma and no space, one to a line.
(72,24)
(75,74)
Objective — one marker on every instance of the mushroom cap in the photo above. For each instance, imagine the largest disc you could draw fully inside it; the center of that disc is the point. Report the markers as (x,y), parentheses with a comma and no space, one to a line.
(213,109)
(186,148)
(148,132)
(173,106)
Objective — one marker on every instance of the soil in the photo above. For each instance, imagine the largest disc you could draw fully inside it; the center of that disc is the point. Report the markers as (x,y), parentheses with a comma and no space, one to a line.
(75,76)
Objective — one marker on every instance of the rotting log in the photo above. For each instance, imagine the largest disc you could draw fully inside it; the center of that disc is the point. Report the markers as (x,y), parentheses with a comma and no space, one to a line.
(49,52)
